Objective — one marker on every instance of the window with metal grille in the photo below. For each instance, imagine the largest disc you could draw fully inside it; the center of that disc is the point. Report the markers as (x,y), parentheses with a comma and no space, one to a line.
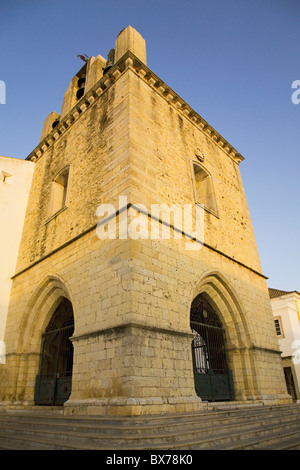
(278,327)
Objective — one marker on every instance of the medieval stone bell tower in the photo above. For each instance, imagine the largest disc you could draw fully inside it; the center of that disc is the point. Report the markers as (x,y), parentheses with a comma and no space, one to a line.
(119,305)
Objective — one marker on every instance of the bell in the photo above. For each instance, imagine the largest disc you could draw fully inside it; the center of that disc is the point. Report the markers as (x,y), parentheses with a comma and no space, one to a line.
(80,93)
(81,81)
(81,85)
(54,124)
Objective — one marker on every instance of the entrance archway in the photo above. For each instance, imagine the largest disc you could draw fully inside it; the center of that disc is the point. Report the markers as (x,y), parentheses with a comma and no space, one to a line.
(54,381)
(213,378)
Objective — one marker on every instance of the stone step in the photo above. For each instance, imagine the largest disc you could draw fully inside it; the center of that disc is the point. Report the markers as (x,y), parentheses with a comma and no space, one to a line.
(288,443)
(118,435)
(232,440)
(230,429)
(170,440)
(278,441)
(219,417)
(28,443)
(224,442)
(32,410)
(108,433)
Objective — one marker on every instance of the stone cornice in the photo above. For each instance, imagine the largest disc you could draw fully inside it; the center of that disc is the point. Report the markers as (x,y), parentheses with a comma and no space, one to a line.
(117,329)
(130,61)
(94,227)
(81,106)
(182,107)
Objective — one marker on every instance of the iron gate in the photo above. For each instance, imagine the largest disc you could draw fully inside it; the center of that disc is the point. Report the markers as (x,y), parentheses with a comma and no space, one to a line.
(213,379)
(53,384)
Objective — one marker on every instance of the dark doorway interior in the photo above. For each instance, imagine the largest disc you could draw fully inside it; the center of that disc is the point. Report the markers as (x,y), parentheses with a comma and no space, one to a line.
(54,381)
(288,374)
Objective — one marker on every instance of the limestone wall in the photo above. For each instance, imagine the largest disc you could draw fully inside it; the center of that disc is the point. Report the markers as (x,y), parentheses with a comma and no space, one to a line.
(96,148)
(164,144)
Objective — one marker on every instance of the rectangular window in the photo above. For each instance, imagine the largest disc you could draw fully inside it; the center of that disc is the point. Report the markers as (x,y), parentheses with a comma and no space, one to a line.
(204,188)
(59,187)
(278,328)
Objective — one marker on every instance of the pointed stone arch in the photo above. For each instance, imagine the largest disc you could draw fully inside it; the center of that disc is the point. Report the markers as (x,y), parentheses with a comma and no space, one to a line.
(54,380)
(43,302)
(228,305)
(41,306)
(238,330)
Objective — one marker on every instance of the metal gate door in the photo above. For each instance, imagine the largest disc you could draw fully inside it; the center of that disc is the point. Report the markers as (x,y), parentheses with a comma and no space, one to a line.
(213,379)
(53,384)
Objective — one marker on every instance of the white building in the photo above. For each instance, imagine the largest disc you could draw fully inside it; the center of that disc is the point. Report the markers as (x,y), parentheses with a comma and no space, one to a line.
(15,183)
(286,311)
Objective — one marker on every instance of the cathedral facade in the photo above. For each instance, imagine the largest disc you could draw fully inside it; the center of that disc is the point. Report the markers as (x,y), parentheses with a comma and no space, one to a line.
(138,287)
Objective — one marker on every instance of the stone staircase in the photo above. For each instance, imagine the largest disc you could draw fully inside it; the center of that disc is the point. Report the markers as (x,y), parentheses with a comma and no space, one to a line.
(216,428)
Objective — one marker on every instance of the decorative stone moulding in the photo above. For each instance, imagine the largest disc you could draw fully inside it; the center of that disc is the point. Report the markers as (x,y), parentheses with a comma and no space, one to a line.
(200,155)
(49,141)
(142,72)
(129,60)
(151,81)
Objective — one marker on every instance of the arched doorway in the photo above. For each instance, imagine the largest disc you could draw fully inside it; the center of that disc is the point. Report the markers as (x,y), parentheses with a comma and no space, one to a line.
(213,379)
(53,383)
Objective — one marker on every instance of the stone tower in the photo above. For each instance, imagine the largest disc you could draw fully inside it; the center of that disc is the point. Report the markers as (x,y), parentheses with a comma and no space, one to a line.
(106,317)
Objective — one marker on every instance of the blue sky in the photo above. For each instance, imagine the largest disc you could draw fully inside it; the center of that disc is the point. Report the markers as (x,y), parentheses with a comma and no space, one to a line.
(233,61)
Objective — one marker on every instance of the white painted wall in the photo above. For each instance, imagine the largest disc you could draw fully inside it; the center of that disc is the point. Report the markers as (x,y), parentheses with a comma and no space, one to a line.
(15,183)
(287,307)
